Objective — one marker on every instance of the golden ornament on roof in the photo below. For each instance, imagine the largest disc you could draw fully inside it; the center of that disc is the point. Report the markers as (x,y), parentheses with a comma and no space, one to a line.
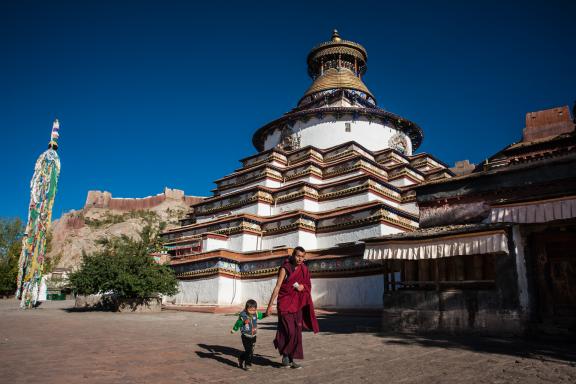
(337,64)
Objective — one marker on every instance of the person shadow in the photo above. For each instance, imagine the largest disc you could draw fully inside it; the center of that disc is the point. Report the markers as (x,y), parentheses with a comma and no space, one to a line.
(229,356)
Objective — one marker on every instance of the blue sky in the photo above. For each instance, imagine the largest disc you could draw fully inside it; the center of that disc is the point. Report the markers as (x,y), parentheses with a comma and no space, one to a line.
(168,93)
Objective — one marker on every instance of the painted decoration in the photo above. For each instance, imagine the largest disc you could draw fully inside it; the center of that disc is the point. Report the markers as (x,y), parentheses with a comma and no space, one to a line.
(399,143)
(42,193)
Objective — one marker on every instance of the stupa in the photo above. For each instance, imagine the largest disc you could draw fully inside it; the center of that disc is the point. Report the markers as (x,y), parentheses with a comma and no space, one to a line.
(334,170)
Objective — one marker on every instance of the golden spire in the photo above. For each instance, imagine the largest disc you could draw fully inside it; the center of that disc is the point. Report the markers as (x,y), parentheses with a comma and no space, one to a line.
(336,36)
(337,64)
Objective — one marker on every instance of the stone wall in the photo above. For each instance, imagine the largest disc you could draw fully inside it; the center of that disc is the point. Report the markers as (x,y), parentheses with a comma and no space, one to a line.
(104,199)
(547,123)
(454,311)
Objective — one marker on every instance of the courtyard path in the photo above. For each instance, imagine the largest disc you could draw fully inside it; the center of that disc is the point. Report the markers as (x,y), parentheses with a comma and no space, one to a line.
(53,344)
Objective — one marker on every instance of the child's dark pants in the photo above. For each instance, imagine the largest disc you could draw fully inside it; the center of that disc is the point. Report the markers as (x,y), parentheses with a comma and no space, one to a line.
(248,343)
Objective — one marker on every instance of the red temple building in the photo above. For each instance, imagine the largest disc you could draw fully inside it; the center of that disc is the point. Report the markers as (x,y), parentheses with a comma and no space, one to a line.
(496,248)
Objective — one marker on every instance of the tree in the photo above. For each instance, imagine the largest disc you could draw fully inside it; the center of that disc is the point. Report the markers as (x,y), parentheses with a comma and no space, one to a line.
(10,247)
(124,268)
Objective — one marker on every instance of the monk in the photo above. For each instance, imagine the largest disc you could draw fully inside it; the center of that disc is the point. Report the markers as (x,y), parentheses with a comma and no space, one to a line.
(295,308)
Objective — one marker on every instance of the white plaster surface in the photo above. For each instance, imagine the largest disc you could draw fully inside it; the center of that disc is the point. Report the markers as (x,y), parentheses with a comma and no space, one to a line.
(301,204)
(354,200)
(346,292)
(198,291)
(243,242)
(315,180)
(331,239)
(277,164)
(288,239)
(229,291)
(209,244)
(248,242)
(328,132)
(411,207)
(307,240)
(402,182)
(264,209)
(258,289)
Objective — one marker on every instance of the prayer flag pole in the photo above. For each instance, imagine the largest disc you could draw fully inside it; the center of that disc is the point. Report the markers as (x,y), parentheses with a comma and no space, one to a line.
(42,193)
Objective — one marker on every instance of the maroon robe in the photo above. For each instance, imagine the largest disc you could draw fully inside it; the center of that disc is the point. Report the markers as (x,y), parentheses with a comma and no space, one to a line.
(295,310)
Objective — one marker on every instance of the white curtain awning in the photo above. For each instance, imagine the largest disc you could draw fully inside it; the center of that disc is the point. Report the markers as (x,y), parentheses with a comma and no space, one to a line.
(447,246)
(535,212)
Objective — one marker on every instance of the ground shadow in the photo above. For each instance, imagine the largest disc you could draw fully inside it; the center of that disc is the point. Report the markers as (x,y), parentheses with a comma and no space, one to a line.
(349,323)
(269,324)
(86,309)
(337,323)
(522,347)
(229,356)
(544,350)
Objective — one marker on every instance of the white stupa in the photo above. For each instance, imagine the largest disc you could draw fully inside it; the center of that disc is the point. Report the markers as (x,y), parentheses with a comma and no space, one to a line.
(333,171)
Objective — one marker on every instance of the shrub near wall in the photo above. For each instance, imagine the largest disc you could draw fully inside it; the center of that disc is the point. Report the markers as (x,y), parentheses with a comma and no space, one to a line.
(124,272)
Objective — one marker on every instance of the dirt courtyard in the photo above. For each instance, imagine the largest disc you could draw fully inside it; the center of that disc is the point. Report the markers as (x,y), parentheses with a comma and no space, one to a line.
(53,344)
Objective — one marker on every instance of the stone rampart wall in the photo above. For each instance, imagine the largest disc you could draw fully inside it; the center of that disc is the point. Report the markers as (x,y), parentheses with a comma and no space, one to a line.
(104,199)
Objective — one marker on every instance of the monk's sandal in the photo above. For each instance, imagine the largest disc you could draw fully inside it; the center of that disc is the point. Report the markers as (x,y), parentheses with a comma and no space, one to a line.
(285,362)
(295,365)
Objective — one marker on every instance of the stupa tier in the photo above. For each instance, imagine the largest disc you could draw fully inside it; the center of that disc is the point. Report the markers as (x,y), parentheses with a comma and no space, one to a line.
(333,171)
(307,197)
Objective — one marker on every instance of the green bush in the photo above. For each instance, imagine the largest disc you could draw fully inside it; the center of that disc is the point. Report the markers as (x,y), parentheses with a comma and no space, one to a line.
(124,268)
(10,247)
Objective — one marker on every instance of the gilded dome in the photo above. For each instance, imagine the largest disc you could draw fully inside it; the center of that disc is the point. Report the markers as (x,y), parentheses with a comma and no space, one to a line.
(335,78)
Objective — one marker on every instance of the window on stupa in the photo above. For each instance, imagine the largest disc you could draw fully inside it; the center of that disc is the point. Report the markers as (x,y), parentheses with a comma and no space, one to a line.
(348,127)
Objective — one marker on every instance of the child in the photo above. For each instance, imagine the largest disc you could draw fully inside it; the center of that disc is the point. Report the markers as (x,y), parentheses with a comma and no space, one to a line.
(248,323)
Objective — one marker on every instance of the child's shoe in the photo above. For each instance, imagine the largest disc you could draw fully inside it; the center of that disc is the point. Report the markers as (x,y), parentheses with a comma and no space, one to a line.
(248,367)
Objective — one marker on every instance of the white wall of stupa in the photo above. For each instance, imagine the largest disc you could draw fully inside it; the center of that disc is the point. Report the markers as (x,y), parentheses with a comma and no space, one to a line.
(347,292)
(327,132)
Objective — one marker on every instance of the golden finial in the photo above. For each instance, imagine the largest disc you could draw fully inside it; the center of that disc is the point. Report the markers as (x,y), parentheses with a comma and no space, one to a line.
(336,36)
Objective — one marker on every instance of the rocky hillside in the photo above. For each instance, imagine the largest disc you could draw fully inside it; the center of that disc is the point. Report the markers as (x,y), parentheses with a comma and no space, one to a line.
(104,216)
